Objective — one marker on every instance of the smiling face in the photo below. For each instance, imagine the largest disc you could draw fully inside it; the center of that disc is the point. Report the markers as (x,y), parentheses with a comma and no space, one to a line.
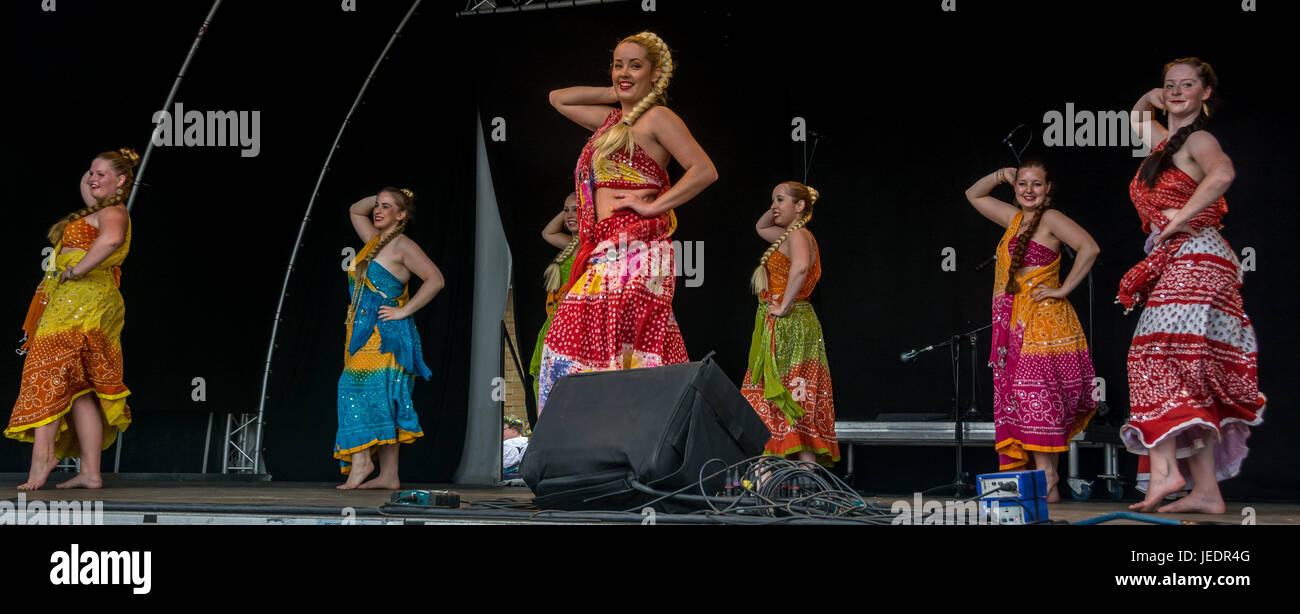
(387,212)
(632,72)
(1031,187)
(571,213)
(103,180)
(1184,90)
(785,208)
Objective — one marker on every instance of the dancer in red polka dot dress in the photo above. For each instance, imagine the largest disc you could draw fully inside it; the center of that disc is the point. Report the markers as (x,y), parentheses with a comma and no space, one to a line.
(617,310)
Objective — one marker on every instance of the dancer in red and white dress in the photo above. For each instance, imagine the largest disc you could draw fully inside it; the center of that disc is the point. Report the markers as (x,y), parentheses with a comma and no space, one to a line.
(1193,384)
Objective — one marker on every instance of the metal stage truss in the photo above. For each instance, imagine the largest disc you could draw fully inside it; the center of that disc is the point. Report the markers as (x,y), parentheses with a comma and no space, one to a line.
(242,452)
(487,7)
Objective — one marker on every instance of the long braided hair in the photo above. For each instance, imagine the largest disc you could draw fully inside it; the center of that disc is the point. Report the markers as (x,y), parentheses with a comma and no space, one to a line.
(798,192)
(405,201)
(1159,161)
(619,136)
(1022,241)
(123,162)
(551,277)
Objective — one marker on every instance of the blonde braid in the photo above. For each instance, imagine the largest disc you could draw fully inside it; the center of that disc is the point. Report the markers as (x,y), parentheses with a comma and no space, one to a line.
(619,136)
(392,234)
(364,265)
(758,281)
(123,161)
(552,274)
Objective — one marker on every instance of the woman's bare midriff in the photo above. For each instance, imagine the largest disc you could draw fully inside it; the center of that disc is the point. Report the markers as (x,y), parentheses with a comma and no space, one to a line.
(608,198)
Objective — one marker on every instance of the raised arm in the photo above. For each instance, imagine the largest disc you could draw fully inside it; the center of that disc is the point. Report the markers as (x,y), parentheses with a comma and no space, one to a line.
(586,105)
(767,228)
(85,190)
(554,232)
(359,212)
(996,210)
(671,132)
(414,259)
(1205,151)
(1143,117)
(112,233)
(1085,253)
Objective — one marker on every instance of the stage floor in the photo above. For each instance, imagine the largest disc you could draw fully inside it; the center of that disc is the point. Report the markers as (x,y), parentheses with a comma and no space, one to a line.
(128,501)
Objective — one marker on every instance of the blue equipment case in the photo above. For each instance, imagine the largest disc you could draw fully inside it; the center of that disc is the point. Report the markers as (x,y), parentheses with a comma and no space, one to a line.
(1026,502)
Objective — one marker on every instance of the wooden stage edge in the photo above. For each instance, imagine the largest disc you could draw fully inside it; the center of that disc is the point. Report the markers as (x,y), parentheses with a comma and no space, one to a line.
(215,500)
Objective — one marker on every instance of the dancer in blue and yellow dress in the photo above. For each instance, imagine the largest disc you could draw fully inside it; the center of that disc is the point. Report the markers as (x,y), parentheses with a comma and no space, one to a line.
(71,400)
(383,353)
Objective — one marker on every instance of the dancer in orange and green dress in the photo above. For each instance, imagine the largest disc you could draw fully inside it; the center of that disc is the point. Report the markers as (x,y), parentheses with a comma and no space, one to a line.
(789,382)
(71,399)
(561,232)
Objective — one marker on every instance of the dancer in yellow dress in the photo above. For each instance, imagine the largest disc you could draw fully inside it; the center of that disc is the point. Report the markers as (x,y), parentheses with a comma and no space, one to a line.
(71,400)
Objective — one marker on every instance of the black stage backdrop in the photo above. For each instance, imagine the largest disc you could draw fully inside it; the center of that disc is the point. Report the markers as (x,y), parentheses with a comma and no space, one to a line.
(913,101)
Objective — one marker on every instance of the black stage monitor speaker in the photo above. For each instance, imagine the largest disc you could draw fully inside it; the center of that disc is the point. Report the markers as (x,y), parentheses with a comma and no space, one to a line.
(600,431)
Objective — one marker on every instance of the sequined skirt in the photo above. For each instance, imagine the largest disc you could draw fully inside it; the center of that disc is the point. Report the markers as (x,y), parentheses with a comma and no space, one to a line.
(789,383)
(618,313)
(1192,368)
(1043,383)
(374,402)
(75,351)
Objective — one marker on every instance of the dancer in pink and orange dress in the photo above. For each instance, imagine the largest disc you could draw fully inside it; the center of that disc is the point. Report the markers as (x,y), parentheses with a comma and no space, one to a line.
(1042,371)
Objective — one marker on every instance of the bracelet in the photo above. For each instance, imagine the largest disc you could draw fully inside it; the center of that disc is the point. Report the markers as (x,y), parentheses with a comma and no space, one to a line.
(1001,177)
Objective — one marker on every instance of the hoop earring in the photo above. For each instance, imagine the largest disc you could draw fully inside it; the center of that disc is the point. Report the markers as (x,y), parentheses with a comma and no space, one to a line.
(119,191)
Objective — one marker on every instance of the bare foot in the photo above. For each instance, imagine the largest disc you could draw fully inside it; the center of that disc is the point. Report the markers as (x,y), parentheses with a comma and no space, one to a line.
(1053,493)
(384,482)
(360,471)
(1158,489)
(83,480)
(41,468)
(1195,502)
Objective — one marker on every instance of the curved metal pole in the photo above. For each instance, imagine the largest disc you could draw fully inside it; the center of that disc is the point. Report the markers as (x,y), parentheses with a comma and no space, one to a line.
(171,96)
(302,230)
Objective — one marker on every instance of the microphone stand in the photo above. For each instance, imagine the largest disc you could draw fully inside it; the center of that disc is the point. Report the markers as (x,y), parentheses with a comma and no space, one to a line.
(961,483)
